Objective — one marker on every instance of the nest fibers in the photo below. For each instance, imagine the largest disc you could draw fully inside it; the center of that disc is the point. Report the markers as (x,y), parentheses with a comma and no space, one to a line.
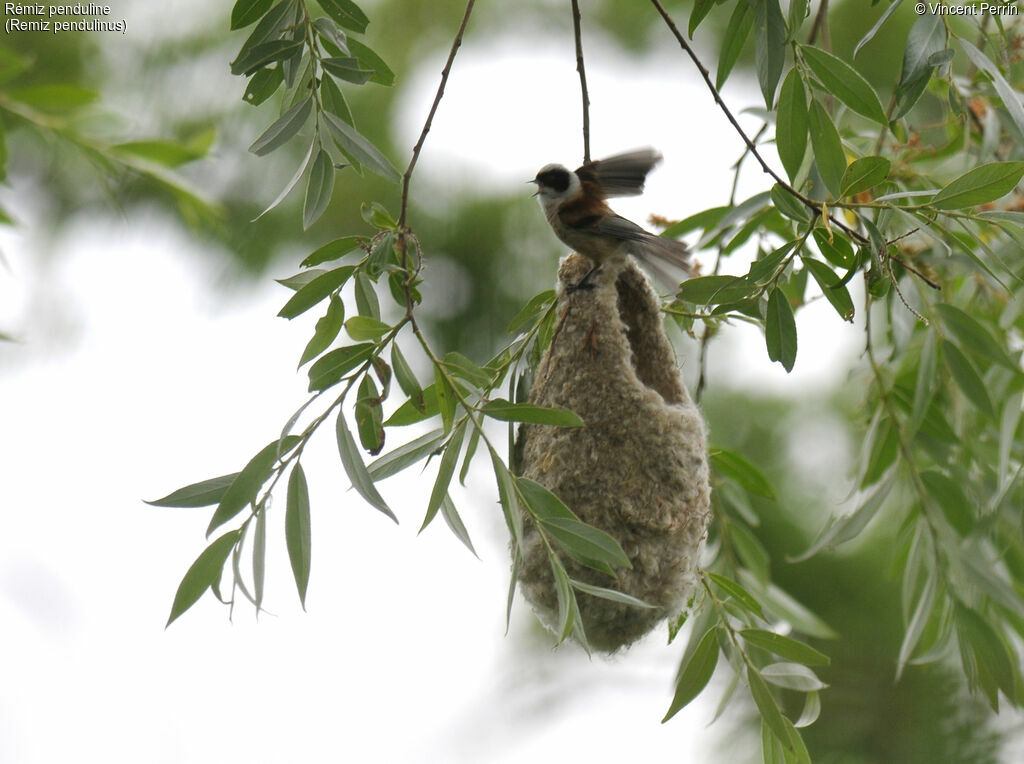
(637,470)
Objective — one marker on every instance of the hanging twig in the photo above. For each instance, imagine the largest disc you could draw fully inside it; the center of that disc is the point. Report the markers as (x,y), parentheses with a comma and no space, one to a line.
(820,24)
(430,117)
(583,79)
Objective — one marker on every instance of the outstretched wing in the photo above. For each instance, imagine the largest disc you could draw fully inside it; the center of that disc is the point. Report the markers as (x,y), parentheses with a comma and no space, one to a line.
(622,174)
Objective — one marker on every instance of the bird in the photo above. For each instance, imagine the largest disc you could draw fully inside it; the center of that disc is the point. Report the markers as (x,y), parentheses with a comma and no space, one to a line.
(575,207)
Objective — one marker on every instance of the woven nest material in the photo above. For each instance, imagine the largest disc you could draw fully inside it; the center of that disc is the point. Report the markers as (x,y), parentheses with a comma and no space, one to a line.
(637,470)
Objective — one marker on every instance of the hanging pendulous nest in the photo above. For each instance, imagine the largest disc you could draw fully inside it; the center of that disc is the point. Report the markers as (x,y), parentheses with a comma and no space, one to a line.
(637,470)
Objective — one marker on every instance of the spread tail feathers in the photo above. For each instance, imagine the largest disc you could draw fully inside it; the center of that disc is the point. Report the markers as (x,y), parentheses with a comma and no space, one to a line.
(667,259)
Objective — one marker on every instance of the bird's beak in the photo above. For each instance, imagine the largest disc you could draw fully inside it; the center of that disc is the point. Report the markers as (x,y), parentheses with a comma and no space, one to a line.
(534,180)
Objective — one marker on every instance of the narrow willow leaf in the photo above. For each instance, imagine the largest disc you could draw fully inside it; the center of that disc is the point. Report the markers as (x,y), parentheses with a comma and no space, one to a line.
(874,30)
(346,13)
(840,530)
(792,676)
(984,183)
(864,173)
(587,544)
(769,709)
(780,330)
(354,143)
(750,550)
(797,13)
(319,188)
(716,290)
(926,38)
(404,456)
(316,291)
(1011,99)
(461,366)
(537,304)
(828,148)
(467,460)
(785,647)
(791,122)
(701,8)
(783,606)
(769,47)
(501,409)
(163,153)
(327,329)
(297,531)
(830,286)
(924,388)
(352,461)
(329,31)
(454,521)
(695,675)
(845,83)
(259,556)
(947,493)
(967,378)
(509,500)
(202,574)
(346,68)
(917,623)
(287,125)
(812,704)
(382,75)
(331,367)
(788,205)
(201,494)
(366,297)
(836,249)
(366,328)
(290,184)
(973,336)
(413,411)
(609,594)
(246,485)
(404,374)
(369,416)
(246,12)
(884,448)
(269,29)
(333,250)
(742,597)
(740,469)
(736,33)
(449,459)
(541,502)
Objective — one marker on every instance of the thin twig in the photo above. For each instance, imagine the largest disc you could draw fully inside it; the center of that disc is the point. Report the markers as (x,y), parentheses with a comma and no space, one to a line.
(820,24)
(810,203)
(916,272)
(583,79)
(430,117)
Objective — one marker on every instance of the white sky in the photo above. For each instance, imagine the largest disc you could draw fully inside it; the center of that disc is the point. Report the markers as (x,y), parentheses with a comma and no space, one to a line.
(135,377)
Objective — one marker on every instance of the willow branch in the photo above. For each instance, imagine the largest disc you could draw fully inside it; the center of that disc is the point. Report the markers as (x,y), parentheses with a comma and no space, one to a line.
(810,203)
(456,44)
(820,24)
(583,79)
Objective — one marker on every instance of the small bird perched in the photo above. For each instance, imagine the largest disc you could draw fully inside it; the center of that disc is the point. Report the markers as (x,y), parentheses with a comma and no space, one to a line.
(574,203)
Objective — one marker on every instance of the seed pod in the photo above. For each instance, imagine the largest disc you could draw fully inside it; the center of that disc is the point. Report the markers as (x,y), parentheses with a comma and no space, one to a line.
(637,470)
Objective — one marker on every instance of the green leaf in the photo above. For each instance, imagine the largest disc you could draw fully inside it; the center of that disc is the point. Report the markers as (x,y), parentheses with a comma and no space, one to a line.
(259,557)
(415,410)
(967,378)
(382,75)
(454,521)
(587,544)
(785,647)
(789,206)
(327,328)
(263,85)
(828,148)
(258,56)
(1010,97)
(780,330)
(845,83)
(610,594)
(737,467)
(164,153)
(333,101)
(769,47)
(950,497)
(346,68)
(330,368)
(449,459)
(567,608)
(501,409)
(246,485)
(766,704)
(54,98)
(346,13)
(352,461)
(791,122)
(836,250)
(924,388)
(329,32)
(884,446)
(715,290)
(366,328)
(830,286)
(537,304)
(839,530)
(201,494)
(297,530)
(864,173)
(792,676)
(740,23)
(926,38)
(405,375)
(878,25)
(333,250)
(445,399)
(318,189)
(784,607)
(984,183)
(369,416)
(734,590)
(695,675)
(996,665)
(509,501)
(202,574)
(366,297)
(395,461)
(798,11)
(246,12)
(287,125)
(464,368)
(359,147)
(316,291)
(750,550)
(973,336)
(917,623)
(701,8)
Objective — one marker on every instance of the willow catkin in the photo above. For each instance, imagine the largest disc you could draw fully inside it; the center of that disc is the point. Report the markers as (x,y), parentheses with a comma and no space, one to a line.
(638,468)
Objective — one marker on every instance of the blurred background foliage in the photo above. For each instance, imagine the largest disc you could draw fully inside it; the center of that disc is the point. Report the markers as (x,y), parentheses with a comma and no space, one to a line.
(170,85)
